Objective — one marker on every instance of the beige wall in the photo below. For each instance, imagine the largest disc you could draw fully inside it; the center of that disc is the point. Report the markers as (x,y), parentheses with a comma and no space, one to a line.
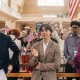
(15,4)
(33,28)
(31,25)
(11,24)
(19,26)
(2,24)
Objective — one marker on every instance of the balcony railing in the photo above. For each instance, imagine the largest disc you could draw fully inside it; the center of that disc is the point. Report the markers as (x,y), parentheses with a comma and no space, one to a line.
(9,11)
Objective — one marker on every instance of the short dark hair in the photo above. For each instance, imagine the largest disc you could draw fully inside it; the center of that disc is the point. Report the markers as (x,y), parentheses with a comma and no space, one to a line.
(47,27)
(74,23)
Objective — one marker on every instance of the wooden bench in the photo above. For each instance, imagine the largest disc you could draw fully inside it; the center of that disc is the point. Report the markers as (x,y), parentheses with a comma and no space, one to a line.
(26,66)
(30,74)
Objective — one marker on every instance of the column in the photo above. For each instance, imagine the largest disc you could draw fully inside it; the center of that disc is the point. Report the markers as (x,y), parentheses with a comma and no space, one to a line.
(61,26)
(9,3)
(10,24)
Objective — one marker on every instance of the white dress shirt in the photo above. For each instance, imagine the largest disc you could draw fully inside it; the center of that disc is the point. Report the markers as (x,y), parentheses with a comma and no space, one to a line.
(44,47)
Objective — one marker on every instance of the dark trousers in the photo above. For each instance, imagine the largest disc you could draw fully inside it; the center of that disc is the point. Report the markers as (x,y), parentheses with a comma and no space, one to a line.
(12,78)
(16,69)
(69,69)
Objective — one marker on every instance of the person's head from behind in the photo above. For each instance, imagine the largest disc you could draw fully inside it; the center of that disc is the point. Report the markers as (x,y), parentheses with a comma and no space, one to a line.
(45,31)
(74,25)
(14,32)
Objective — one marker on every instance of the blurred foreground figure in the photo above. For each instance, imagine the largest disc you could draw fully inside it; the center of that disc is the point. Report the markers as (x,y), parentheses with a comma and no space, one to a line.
(14,34)
(6,65)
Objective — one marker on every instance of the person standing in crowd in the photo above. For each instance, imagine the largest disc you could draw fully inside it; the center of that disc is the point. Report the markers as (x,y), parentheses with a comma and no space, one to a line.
(22,34)
(45,56)
(70,48)
(14,34)
(24,57)
(61,38)
(6,65)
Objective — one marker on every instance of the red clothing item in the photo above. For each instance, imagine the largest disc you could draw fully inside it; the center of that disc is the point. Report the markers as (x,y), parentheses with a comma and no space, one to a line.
(25,59)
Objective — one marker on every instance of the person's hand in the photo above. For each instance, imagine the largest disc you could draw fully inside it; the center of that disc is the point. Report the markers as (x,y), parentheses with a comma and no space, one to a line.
(38,65)
(69,61)
(72,64)
(34,52)
(22,48)
(68,57)
(10,67)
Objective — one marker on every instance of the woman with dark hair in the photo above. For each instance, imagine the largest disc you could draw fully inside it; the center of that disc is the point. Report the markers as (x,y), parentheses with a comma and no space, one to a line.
(24,46)
(14,34)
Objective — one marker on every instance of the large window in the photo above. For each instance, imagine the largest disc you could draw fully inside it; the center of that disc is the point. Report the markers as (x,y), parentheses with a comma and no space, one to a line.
(49,16)
(50,2)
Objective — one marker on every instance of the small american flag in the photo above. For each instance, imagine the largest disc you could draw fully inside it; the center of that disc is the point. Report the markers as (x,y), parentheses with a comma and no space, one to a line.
(73,7)
(30,37)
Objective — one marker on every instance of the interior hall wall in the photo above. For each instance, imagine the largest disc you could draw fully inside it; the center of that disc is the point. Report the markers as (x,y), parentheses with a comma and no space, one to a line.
(18,26)
(2,24)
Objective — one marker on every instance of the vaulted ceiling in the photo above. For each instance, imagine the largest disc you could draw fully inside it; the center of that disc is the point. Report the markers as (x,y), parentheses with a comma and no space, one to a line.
(31,7)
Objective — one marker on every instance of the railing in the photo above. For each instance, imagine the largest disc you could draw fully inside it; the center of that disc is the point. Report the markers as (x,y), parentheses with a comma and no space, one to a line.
(26,75)
(30,75)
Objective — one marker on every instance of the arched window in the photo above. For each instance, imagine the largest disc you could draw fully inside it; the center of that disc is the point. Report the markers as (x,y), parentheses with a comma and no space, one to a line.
(50,2)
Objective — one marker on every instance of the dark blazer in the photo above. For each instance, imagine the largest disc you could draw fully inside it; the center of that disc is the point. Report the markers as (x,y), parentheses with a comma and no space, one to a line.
(5,44)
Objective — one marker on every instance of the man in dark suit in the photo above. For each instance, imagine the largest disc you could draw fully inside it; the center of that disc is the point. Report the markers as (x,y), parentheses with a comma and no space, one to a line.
(6,65)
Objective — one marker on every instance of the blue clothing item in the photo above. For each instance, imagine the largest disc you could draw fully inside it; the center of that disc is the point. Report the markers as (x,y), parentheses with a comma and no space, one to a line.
(70,46)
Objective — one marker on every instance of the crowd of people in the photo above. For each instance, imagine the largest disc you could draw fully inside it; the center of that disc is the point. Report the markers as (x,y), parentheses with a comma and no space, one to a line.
(43,51)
